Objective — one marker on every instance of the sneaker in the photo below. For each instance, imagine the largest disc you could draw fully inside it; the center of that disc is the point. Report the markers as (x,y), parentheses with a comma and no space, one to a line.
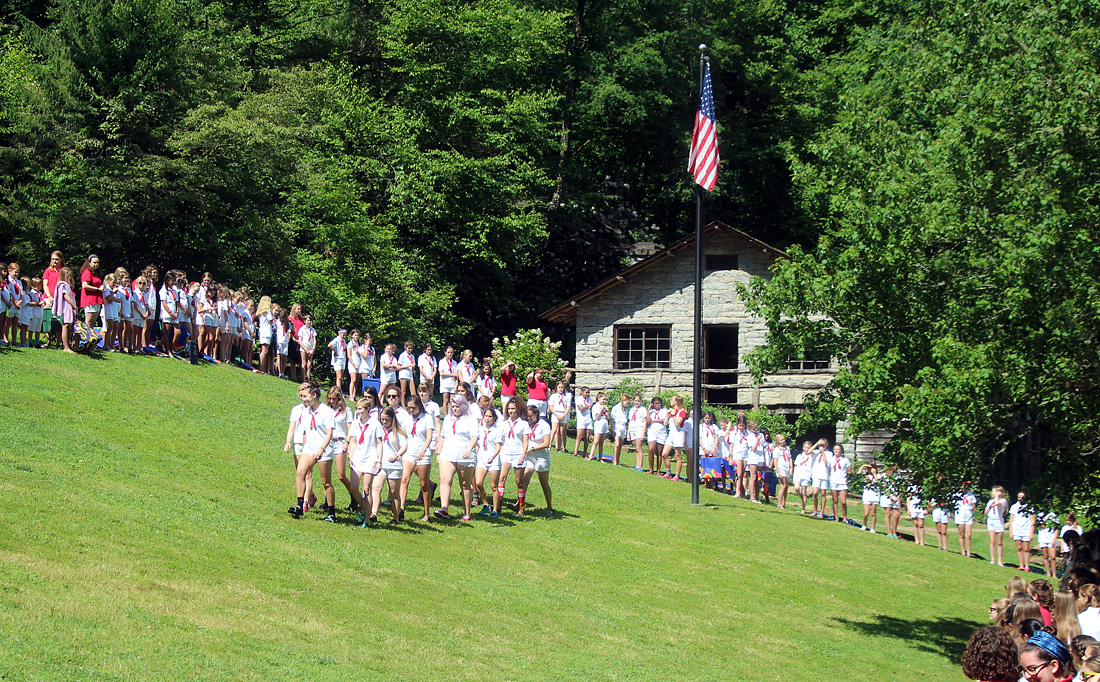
(466,517)
(871,530)
(484,510)
(441,514)
(385,503)
(295,511)
(330,519)
(305,506)
(550,513)
(359,519)
(493,514)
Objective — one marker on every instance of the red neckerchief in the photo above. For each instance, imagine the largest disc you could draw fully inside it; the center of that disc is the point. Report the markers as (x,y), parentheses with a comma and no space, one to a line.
(450,364)
(635,410)
(484,438)
(417,421)
(487,382)
(386,434)
(512,428)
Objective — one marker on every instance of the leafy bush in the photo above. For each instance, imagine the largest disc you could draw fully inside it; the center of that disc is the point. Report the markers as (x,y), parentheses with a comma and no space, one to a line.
(529,349)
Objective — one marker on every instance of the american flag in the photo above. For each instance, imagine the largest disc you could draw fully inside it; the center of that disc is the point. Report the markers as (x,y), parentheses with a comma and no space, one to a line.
(703,162)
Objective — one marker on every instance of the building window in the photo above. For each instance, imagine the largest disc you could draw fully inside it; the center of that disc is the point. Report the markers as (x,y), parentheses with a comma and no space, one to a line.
(809,361)
(721,261)
(643,347)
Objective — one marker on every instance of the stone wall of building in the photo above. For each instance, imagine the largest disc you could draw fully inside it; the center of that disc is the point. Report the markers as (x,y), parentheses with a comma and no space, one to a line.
(663,294)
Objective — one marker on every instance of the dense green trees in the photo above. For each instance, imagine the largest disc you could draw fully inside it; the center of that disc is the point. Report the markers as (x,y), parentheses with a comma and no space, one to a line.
(958,276)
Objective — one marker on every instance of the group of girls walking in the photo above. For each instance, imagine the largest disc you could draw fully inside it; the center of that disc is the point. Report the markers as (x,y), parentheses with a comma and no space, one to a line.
(382,439)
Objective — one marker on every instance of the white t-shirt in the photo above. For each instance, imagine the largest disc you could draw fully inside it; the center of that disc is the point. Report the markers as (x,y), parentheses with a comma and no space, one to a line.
(457,433)
(995,511)
(426,364)
(316,424)
(512,434)
(618,415)
(391,443)
(1090,622)
(839,474)
(1021,519)
(488,439)
(466,372)
(406,358)
(389,371)
(820,467)
(657,430)
(538,434)
(447,384)
(418,431)
(486,386)
(964,508)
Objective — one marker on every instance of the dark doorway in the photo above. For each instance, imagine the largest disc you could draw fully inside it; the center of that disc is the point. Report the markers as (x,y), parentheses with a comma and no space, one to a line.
(720,353)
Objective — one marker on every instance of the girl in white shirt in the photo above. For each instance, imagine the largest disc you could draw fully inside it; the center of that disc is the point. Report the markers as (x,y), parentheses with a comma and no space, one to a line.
(282,340)
(457,440)
(622,424)
(677,438)
(964,517)
(840,467)
(870,494)
(448,376)
(316,421)
(599,427)
(514,436)
(490,440)
(821,474)
(537,461)
(466,369)
(361,454)
(426,365)
(387,365)
(637,420)
(354,360)
(486,384)
(265,333)
(418,456)
(558,411)
(338,348)
(803,475)
(307,344)
(995,511)
(738,438)
(584,424)
(656,433)
(393,442)
(406,363)
(781,459)
(110,312)
(368,363)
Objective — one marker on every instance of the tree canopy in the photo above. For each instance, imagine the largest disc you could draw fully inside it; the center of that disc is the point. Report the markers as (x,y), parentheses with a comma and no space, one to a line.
(957,278)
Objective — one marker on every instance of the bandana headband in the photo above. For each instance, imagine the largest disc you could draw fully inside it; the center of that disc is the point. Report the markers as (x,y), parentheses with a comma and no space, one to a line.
(1050,644)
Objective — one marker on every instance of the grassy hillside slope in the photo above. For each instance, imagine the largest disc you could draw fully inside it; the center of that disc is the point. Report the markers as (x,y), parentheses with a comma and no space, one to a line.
(144,536)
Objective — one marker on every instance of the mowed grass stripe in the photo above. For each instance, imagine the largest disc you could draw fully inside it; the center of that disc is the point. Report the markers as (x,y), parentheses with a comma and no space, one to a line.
(146,538)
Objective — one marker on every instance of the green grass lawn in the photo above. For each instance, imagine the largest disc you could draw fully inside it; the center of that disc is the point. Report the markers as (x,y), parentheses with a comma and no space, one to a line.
(144,536)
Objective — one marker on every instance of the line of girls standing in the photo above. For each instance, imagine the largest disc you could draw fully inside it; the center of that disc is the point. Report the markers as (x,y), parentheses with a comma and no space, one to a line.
(385,440)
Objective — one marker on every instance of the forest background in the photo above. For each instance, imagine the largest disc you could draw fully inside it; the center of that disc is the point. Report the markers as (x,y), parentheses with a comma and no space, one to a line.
(447,170)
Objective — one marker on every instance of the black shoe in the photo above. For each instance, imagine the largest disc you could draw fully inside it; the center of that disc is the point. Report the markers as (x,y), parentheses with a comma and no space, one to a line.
(353,507)
(330,519)
(295,511)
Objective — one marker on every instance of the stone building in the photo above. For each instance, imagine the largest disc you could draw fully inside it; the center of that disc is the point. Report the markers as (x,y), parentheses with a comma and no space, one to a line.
(639,324)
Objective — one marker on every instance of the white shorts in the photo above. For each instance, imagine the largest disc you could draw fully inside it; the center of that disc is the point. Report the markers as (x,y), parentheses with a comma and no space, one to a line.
(821,483)
(886,503)
(940,515)
(327,455)
(516,461)
(806,482)
(560,420)
(917,513)
(678,439)
(600,426)
(337,363)
(389,378)
(839,485)
(109,315)
(94,308)
(635,434)
(405,374)
(458,458)
(656,436)
(541,404)
(870,497)
(584,423)
(139,322)
(484,463)
(392,474)
(368,466)
(353,362)
(995,526)
(964,520)
(265,336)
(1046,538)
(757,459)
(425,460)
(622,431)
(1021,537)
(539,459)
(447,385)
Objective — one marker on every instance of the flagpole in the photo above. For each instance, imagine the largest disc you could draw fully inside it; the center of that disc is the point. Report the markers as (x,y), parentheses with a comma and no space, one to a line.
(697,362)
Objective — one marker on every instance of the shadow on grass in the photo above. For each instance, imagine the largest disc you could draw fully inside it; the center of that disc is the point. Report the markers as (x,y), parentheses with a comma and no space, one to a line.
(945,637)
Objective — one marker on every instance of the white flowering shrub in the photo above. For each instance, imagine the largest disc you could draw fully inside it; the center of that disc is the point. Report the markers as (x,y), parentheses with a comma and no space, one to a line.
(529,349)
